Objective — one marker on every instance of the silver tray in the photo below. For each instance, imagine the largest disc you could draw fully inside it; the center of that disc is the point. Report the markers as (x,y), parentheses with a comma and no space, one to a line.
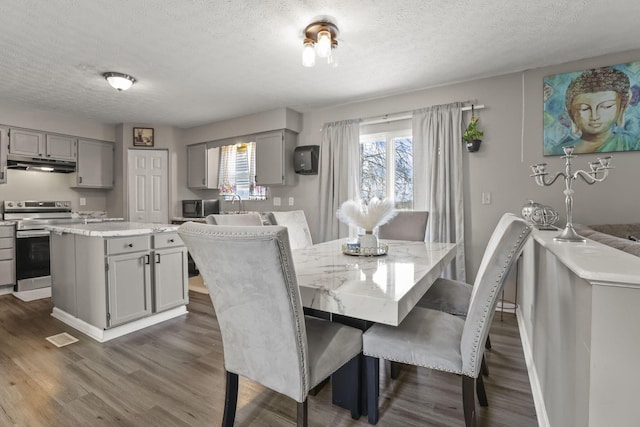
(352,250)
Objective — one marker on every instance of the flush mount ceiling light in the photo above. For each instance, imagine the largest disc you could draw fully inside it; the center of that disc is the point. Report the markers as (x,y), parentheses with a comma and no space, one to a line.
(119,81)
(320,39)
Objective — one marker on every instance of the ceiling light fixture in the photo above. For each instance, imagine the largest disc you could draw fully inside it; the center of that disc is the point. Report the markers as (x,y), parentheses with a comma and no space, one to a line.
(119,81)
(321,35)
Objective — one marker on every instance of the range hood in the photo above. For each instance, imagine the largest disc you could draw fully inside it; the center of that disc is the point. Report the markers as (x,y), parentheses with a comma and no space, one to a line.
(39,164)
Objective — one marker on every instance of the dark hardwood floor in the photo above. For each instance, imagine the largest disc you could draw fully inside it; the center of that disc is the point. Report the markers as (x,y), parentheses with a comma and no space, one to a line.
(172,374)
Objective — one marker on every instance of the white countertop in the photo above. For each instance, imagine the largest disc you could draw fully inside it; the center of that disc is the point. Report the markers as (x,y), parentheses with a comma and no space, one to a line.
(112,228)
(380,289)
(593,261)
(7,223)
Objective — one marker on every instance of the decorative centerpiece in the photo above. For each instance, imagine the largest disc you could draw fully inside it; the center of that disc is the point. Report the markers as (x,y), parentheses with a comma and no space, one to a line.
(599,171)
(367,216)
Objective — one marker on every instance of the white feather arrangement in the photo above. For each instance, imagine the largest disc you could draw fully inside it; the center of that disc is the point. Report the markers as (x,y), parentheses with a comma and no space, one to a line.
(367,216)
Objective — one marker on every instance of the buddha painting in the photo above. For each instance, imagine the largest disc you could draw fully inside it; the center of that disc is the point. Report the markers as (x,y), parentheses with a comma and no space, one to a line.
(595,111)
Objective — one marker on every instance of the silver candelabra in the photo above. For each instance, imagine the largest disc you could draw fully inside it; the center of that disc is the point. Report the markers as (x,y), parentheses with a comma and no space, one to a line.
(601,165)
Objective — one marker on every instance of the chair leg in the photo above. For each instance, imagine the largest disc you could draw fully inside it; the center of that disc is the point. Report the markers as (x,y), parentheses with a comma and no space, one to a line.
(230,400)
(395,370)
(373,384)
(487,343)
(480,391)
(469,401)
(484,368)
(302,414)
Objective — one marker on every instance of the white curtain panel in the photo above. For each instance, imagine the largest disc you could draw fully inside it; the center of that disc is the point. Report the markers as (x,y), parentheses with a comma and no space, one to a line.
(437,141)
(339,174)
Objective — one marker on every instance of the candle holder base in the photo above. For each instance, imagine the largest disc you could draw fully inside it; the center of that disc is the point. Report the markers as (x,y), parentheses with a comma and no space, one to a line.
(569,235)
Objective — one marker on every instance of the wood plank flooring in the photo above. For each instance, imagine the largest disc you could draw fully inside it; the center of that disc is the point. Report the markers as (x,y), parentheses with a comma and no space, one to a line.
(172,374)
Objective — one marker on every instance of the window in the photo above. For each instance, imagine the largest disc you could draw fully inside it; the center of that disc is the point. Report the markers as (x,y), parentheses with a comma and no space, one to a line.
(386,167)
(238,172)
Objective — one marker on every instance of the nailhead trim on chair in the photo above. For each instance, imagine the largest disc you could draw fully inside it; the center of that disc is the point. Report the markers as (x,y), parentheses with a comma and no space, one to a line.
(494,289)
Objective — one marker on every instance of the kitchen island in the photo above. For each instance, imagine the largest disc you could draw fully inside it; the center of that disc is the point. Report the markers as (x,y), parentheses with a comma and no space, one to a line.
(113,278)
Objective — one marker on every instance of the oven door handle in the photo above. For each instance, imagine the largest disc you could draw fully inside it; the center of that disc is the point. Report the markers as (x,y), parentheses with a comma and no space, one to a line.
(24,234)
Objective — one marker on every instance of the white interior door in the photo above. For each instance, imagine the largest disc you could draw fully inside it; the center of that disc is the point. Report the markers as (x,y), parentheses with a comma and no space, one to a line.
(148,186)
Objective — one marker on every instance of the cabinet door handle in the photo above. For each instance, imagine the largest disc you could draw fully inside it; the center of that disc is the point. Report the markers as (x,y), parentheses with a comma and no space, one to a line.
(80,179)
(147,259)
(203,181)
(157,258)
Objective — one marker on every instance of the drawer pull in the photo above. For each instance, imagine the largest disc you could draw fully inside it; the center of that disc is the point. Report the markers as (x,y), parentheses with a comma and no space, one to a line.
(170,241)
(130,245)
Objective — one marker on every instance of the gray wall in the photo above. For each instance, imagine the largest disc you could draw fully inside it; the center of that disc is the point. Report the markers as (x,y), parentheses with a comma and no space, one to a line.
(502,164)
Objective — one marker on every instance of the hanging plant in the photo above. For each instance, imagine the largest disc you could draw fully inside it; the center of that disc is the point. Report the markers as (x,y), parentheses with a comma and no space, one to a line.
(472,136)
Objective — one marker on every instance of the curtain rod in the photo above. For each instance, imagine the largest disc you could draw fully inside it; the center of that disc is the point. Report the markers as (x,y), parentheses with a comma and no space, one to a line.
(393,117)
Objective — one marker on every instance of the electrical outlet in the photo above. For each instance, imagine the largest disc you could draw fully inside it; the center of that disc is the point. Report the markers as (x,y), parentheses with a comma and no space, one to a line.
(277,201)
(291,201)
(486,198)
(83,201)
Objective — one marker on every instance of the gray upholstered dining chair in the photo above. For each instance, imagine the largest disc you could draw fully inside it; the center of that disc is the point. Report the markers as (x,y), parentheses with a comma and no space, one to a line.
(296,223)
(406,225)
(249,218)
(265,336)
(438,340)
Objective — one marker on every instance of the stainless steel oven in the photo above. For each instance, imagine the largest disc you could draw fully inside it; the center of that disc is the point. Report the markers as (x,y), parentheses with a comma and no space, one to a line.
(33,267)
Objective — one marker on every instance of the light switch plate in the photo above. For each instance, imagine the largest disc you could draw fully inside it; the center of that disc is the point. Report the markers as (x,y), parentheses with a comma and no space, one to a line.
(83,201)
(291,200)
(486,198)
(277,201)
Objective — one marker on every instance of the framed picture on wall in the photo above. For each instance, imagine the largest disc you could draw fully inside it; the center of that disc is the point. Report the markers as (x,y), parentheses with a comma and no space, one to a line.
(143,137)
(595,111)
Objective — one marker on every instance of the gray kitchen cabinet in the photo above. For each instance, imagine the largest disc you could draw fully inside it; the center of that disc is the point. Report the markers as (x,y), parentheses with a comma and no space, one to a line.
(95,166)
(39,144)
(203,164)
(63,295)
(7,255)
(110,281)
(170,275)
(4,146)
(274,158)
(61,147)
(128,287)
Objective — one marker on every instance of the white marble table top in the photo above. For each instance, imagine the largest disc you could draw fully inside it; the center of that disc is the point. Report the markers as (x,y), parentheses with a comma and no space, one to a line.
(380,289)
(112,228)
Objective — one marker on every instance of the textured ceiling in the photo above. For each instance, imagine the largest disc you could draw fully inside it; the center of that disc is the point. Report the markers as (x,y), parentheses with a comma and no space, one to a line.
(200,61)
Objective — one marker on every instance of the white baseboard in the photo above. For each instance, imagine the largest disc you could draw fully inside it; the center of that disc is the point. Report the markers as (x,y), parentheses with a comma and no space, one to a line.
(536,389)
(33,294)
(103,335)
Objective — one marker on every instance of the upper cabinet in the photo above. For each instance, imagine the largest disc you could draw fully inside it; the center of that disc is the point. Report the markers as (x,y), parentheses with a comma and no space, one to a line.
(4,142)
(203,164)
(274,158)
(95,164)
(38,144)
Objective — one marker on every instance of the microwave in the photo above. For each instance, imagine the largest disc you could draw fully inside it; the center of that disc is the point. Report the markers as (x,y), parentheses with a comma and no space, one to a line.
(200,208)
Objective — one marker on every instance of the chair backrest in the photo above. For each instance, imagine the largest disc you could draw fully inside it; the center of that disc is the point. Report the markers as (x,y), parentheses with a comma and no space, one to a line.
(406,225)
(296,223)
(504,248)
(249,218)
(252,283)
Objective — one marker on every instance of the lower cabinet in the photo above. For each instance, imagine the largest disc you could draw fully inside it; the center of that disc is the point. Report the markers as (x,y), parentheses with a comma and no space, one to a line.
(7,255)
(113,281)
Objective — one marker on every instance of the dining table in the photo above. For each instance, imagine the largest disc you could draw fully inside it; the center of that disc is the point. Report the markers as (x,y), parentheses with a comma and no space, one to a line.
(339,284)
